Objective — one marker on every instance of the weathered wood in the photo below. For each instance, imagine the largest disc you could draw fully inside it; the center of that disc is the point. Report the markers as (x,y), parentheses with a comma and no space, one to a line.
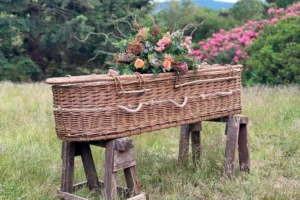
(132,181)
(183,145)
(221,119)
(196,145)
(231,144)
(196,141)
(69,196)
(68,154)
(109,176)
(244,153)
(100,143)
(123,159)
(196,127)
(243,119)
(124,144)
(89,166)
(142,196)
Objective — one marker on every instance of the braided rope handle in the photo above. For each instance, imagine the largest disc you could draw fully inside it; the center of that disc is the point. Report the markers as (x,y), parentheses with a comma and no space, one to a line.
(224,93)
(180,105)
(131,110)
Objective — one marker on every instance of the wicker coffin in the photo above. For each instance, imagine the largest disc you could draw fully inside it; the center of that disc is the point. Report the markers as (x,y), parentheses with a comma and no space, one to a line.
(98,107)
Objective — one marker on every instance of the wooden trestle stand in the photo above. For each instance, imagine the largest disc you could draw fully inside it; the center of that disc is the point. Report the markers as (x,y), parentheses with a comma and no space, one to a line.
(119,155)
(237,138)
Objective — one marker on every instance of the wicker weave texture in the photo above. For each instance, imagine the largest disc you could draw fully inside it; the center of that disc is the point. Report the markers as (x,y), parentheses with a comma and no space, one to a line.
(97,107)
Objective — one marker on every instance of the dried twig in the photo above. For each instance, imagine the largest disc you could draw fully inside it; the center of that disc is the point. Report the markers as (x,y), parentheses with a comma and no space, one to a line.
(104,34)
(100,51)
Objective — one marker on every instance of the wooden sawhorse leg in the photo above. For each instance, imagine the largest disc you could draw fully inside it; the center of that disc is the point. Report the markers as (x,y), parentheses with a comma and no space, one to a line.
(237,138)
(193,130)
(119,155)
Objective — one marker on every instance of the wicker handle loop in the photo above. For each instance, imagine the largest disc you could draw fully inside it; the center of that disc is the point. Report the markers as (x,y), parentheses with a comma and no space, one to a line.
(224,93)
(205,81)
(140,90)
(180,105)
(131,110)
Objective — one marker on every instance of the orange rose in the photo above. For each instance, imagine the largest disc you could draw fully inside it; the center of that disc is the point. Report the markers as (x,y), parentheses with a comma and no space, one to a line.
(167,65)
(139,63)
(168,57)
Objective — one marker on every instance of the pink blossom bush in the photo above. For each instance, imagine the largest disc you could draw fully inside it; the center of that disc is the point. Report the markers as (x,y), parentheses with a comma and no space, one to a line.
(235,40)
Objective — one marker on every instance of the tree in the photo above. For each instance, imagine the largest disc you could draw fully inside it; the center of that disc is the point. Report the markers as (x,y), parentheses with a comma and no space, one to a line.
(282,3)
(50,31)
(245,10)
(187,12)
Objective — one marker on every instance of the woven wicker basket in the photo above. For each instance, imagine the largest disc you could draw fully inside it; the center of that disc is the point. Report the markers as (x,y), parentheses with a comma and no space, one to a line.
(98,107)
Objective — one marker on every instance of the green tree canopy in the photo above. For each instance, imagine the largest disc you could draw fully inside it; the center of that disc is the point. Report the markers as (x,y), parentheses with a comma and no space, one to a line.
(186,12)
(49,31)
(245,10)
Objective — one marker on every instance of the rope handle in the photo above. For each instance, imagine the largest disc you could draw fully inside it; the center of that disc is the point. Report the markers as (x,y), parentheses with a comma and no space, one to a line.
(131,110)
(205,81)
(180,105)
(140,90)
(224,93)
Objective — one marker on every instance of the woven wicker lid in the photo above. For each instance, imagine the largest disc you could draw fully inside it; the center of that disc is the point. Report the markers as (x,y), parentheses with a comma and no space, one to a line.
(103,77)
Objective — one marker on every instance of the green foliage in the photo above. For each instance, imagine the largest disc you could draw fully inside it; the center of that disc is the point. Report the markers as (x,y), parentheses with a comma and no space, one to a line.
(245,10)
(50,33)
(275,55)
(19,69)
(282,3)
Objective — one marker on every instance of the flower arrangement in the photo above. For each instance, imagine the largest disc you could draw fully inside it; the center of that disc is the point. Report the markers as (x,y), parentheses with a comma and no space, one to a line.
(155,50)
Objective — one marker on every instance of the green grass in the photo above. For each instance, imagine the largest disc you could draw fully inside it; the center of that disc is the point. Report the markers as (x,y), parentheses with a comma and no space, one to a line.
(30,162)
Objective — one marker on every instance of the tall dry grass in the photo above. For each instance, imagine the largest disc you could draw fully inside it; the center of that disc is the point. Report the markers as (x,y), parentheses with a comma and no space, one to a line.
(30,162)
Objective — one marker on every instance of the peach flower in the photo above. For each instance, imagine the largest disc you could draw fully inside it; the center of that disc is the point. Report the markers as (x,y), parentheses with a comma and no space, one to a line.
(167,65)
(169,57)
(139,63)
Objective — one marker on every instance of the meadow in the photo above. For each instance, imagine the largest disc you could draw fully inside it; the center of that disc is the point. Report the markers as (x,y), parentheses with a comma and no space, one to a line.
(30,164)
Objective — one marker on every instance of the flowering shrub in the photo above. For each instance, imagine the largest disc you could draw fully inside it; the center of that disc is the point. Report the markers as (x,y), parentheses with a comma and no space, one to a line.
(275,56)
(228,46)
(154,50)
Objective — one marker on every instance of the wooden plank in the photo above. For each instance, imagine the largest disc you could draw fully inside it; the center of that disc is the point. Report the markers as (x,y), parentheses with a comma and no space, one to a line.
(89,166)
(80,185)
(244,153)
(231,144)
(142,196)
(132,181)
(124,159)
(196,145)
(243,119)
(109,176)
(67,175)
(123,144)
(196,141)
(69,196)
(221,119)
(196,127)
(184,145)
(100,143)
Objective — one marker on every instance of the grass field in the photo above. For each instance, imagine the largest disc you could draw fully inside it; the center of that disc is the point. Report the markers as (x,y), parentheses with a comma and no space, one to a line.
(30,162)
